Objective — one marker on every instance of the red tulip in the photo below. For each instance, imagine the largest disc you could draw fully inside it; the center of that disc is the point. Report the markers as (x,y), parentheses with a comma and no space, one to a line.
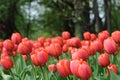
(23,49)
(42,57)
(113,68)
(5,51)
(16,38)
(6,62)
(25,57)
(116,36)
(63,67)
(80,54)
(8,44)
(57,40)
(110,46)
(74,42)
(92,50)
(81,69)
(87,35)
(52,67)
(41,40)
(1,46)
(93,37)
(65,35)
(55,50)
(65,48)
(104,60)
(97,45)
(85,43)
(34,59)
(72,50)
(103,35)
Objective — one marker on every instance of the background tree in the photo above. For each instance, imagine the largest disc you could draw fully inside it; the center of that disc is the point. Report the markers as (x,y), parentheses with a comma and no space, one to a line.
(34,18)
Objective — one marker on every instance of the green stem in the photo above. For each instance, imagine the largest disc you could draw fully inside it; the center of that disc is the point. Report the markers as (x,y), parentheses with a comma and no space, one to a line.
(14,60)
(47,72)
(116,59)
(34,71)
(12,74)
(68,77)
(42,72)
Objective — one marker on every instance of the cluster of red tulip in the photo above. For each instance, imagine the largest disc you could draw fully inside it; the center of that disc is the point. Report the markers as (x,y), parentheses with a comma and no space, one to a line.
(78,65)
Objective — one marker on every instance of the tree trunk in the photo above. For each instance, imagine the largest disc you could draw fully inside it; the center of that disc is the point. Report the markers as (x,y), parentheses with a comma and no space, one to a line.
(98,22)
(82,9)
(10,21)
(107,8)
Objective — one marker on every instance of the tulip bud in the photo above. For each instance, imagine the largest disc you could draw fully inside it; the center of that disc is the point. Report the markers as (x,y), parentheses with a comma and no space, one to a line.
(25,57)
(34,59)
(55,50)
(1,46)
(65,35)
(41,40)
(104,60)
(116,36)
(80,54)
(23,49)
(63,67)
(81,69)
(110,46)
(8,44)
(65,48)
(97,45)
(103,35)
(6,62)
(52,67)
(113,68)
(16,38)
(87,35)
(42,57)
(93,37)
(74,42)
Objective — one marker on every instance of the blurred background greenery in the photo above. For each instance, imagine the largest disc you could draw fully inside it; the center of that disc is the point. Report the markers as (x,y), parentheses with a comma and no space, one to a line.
(48,18)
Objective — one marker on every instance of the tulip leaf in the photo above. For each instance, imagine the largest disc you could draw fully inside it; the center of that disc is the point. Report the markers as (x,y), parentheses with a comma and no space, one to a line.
(6,77)
(113,76)
(25,71)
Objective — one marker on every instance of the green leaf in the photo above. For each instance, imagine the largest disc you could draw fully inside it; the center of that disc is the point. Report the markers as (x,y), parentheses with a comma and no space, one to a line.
(6,77)
(113,76)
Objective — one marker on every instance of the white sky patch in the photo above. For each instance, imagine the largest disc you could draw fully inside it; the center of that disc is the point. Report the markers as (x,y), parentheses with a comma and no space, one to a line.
(34,11)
